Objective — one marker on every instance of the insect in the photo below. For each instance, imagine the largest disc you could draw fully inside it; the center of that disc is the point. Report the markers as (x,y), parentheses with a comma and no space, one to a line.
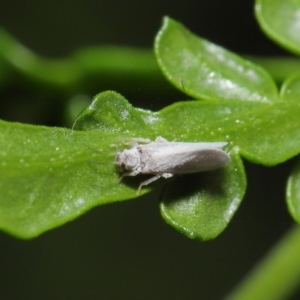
(162,158)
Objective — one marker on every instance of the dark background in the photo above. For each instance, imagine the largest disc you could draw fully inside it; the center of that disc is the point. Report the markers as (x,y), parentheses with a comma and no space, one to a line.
(58,27)
(125,250)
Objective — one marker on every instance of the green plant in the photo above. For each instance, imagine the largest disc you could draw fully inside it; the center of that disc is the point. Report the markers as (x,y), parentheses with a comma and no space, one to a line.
(47,174)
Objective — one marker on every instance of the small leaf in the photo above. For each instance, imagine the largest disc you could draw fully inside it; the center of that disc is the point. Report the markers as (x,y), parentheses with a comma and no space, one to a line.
(293,193)
(290,89)
(110,112)
(280,20)
(201,205)
(204,70)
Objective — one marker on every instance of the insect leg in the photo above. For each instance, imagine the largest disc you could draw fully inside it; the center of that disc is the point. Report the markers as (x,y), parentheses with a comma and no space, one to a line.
(146,182)
(167,175)
(133,173)
(154,178)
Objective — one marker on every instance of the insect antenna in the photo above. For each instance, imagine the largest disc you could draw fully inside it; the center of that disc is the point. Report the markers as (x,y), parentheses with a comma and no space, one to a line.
(100,152)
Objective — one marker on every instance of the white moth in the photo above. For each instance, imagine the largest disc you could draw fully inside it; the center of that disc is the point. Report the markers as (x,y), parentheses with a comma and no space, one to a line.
(165,159)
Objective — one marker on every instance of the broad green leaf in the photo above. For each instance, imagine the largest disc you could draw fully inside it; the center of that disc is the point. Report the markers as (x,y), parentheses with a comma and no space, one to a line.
(202,205)
(50,175)
(293,193)
(280,20)
(254,127)
(251,127)
(204,70)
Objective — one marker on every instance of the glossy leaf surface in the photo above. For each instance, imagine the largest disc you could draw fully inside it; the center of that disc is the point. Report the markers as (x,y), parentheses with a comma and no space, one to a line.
(280,20)
(204,70)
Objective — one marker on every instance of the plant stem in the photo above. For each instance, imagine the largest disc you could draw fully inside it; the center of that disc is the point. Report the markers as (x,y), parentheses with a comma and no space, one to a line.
(277,276)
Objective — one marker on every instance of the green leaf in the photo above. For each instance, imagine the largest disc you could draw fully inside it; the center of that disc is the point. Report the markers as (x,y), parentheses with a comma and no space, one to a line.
(49,175)
(290,89)
(280,21)
(293,193)
(110,112)
(204,70)
(201,205)
(265,133)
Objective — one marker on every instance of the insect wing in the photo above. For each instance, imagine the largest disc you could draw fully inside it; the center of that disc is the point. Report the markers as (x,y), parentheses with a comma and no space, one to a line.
(182,158)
